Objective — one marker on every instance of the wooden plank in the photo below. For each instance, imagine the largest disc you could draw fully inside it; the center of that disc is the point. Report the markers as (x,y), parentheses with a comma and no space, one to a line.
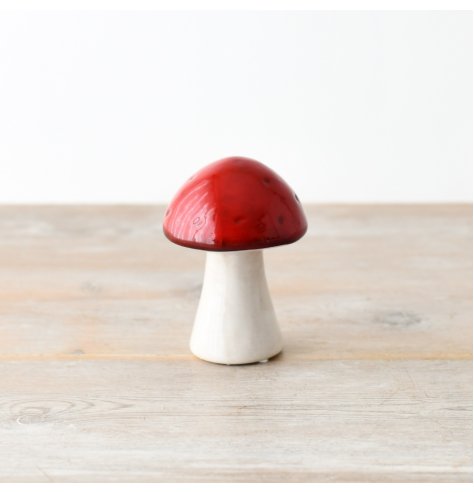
(97,383)
(367,282)
(193,421)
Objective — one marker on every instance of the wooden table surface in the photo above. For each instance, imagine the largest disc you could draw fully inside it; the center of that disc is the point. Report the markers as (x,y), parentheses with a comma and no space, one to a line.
(97,382)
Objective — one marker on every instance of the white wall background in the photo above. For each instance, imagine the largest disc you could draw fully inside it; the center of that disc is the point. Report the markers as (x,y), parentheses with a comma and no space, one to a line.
(347,106)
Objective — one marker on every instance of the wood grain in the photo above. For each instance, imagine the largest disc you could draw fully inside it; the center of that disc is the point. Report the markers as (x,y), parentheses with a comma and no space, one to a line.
(374,384)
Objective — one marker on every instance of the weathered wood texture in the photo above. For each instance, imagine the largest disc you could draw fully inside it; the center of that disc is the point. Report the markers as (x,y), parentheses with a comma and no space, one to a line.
(97,382)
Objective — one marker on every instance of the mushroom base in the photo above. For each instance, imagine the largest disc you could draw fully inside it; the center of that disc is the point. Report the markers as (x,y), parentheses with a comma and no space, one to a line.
(235,321)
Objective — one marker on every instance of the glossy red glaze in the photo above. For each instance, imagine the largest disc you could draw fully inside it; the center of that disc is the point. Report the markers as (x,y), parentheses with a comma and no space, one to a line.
(234,204)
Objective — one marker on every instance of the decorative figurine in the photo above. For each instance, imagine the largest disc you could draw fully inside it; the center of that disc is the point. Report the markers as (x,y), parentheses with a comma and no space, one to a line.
(233,209)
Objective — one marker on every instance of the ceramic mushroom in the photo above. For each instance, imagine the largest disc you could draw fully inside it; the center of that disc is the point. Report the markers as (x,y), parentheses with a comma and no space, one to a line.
(233,209)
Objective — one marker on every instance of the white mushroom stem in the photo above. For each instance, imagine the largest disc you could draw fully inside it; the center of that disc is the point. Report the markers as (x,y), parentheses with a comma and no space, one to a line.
(235,321)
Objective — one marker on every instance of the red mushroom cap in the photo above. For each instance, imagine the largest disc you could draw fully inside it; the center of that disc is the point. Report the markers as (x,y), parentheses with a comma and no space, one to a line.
(234,204)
